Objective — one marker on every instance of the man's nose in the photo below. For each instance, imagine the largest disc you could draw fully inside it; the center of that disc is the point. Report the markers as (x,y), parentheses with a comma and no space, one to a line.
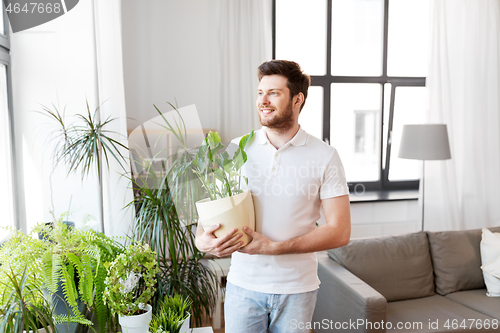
(263,99)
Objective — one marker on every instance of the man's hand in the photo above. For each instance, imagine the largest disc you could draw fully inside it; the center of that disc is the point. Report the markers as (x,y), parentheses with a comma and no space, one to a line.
(335,233)
(260,244)
(207,242)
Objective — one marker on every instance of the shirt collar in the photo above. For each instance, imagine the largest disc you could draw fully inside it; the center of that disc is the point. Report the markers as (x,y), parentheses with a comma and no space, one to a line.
(298,140)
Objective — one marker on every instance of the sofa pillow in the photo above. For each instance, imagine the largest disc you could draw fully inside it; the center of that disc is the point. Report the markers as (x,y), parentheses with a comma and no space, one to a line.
(490,258)
(457,260)
(398,267)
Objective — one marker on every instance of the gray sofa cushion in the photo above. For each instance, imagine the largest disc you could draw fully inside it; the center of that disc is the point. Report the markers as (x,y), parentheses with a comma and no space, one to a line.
(398,267)
(478,301)
(432,309)
(456,259)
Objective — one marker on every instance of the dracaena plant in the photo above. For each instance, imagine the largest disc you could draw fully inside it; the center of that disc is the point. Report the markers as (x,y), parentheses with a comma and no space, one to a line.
(85,144)
(25,307)
(166,219)
(217,170)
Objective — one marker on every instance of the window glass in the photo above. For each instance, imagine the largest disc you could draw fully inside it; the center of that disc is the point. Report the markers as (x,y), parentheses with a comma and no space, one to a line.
(408,38)
(355,128)
(6,194)
(301,34)
(311,116)
(357,37)
(409,106)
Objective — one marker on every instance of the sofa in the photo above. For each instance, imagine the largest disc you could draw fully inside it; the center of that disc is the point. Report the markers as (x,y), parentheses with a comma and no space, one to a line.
(418,282)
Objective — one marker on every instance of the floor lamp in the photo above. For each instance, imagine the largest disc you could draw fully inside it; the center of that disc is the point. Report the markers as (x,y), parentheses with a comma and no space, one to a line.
(424,142)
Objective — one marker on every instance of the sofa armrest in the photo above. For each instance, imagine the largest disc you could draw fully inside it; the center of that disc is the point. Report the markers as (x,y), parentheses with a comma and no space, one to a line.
(344,301)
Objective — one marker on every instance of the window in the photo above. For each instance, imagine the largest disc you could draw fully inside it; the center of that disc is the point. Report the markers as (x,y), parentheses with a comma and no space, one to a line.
(367,60)
(7,194)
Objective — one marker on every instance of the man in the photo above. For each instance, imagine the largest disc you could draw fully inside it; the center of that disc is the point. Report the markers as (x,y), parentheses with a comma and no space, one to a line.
(273,282)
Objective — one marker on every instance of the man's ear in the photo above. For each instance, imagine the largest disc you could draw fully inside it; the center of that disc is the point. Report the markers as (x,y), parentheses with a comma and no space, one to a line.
(298,99)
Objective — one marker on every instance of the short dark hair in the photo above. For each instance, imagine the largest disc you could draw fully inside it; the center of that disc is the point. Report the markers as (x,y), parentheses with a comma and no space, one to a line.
(298,81)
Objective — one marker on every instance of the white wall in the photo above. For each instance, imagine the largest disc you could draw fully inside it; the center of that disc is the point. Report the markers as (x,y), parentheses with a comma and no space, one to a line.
(166,56)
(52,63)
(374,219)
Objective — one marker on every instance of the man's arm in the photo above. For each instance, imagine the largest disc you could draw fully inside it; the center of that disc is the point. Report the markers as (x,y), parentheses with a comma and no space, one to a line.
(335,233)
(206,241)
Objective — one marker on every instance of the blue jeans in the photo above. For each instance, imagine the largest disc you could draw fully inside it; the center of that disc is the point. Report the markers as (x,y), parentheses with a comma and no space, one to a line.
(247,311)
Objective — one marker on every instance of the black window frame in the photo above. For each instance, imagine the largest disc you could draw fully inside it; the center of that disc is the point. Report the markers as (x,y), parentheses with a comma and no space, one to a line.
(325,81)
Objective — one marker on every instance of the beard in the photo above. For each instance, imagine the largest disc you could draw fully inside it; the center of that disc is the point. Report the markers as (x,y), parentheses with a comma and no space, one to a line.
(281,121)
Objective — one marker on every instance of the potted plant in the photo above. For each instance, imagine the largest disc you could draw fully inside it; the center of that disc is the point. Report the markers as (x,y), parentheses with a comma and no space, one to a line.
(85,145)
(129,285)
(73,264)
(23,277)
(172,316)
(166,219)
(228,204)
(24,307)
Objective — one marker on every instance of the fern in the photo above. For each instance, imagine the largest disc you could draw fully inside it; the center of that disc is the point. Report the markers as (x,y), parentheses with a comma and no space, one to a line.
(85,285)
(55,271)
(87,281)
(83,253)
(102,311)
(80,319)
(68,289)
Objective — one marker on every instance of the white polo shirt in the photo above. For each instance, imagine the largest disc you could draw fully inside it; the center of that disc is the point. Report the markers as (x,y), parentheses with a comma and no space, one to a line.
(287,186)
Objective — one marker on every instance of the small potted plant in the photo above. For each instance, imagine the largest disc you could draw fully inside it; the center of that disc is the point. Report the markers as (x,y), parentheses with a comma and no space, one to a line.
(172,316)
(228,204)
(129,285)
(25,308)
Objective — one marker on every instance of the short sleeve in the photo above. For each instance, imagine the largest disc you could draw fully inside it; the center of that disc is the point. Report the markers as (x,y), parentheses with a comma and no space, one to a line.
(334,182)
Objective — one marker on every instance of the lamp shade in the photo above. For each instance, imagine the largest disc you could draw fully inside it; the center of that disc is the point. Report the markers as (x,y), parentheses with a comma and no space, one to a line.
(425,142)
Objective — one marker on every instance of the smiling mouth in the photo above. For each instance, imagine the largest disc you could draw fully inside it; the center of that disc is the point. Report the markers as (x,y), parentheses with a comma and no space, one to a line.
(266,111)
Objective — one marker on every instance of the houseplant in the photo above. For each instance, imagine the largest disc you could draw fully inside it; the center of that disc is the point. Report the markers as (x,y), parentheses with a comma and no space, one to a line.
(166,219)
(23,276)
(74,261)
(228,204)
(129,285)
(172,316)
(20,255)
(83,145)
(24,306)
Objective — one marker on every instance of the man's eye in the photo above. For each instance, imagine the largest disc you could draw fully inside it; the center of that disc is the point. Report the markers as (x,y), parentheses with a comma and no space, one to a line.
(273,93)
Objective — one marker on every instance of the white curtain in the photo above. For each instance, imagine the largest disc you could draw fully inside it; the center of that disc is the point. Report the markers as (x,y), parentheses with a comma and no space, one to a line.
(463,92)
(111,97)
(242,43)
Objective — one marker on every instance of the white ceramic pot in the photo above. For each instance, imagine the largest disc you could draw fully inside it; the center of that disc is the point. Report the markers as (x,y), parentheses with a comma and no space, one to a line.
(41,330)
(137,323)
(185,325)
(234,212)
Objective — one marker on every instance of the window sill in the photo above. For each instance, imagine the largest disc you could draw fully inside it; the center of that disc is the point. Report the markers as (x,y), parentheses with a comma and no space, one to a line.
(386,195)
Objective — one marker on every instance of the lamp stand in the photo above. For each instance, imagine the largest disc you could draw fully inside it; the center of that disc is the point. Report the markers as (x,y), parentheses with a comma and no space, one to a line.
(423,192)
